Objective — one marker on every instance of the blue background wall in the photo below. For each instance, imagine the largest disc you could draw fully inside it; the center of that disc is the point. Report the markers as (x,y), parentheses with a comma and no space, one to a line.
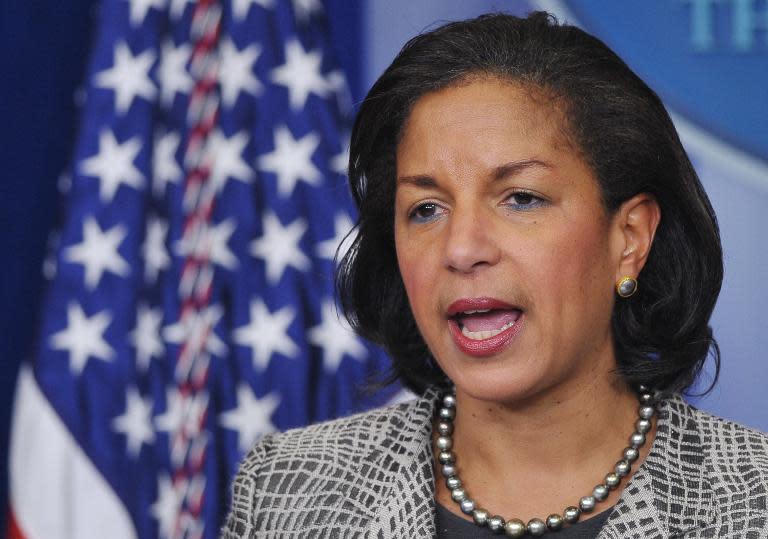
(708,61)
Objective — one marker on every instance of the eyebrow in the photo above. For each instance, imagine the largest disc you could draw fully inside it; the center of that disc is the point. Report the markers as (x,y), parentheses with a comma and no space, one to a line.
(499,173)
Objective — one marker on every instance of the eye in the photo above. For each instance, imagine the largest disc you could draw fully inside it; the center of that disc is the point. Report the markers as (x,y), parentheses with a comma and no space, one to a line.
(425,212)
(524,200)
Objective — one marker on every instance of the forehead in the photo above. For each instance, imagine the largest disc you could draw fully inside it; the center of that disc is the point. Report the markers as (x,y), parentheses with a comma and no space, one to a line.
(483,111)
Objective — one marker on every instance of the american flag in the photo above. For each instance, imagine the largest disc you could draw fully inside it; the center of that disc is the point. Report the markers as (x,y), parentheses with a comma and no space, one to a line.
(190,304)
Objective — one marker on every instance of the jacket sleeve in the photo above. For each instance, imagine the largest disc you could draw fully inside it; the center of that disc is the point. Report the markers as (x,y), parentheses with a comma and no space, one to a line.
(240,522)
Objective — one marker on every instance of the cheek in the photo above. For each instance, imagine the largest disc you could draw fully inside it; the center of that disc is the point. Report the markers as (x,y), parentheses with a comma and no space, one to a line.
(412,271)
(577,262)
(418,275)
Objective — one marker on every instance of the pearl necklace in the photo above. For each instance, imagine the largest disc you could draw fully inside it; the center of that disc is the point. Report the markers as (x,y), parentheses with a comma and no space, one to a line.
(515,527)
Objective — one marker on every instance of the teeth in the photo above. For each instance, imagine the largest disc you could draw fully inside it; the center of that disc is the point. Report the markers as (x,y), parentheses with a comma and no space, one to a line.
(482,335)
(477,311)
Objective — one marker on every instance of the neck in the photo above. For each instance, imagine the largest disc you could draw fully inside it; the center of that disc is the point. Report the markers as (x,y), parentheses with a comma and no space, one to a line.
(550,430)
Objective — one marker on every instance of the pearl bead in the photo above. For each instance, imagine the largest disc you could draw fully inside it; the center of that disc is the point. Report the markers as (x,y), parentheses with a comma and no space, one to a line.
(571,514)
(600,492)
(554,522)
(645,412)
(515,528)
(458,494)
(646,398)
(622,468)
(467,506)
(536,527)
(631,454)
(449,470)
(444,443)
(446,457)
(449,401)
(453,482)
(496,524)
(444,428)
(587,503)
(637,439)
(446,413)
(612,480)
(480,516)
(642,388)
(643,425)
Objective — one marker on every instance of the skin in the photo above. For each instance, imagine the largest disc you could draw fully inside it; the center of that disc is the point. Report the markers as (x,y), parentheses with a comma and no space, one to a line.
(493,200)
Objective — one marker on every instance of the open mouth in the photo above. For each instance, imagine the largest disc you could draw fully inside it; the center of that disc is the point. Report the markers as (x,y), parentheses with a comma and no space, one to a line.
(481,324)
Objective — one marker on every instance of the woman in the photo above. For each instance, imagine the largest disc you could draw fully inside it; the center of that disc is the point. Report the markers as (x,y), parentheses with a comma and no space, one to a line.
(540,260)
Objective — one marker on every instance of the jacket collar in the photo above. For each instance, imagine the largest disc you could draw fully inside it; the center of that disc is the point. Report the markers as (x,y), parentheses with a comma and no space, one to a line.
(669,494)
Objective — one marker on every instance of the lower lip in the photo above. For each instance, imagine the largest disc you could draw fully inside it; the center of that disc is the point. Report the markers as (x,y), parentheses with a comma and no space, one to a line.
(484,347)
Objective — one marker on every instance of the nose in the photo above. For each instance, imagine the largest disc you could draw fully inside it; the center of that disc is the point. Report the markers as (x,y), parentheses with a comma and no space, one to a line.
(470,243)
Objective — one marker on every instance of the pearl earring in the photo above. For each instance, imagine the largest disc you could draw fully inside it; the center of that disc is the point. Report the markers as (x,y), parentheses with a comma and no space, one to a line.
(626,286)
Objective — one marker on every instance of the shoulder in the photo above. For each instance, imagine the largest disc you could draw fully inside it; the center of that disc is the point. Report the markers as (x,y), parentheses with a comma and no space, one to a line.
(719,436)
(733,455)
(302,476)
(350,437)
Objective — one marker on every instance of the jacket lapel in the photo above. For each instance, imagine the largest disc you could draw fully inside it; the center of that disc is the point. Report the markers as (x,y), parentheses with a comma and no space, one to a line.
(671,493)
(406,507)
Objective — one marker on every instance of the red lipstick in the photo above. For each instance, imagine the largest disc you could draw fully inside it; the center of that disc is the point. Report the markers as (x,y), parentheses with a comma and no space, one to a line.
(484,326)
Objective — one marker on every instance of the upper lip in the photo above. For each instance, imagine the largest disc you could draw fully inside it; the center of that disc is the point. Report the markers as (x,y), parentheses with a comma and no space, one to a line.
(478,304)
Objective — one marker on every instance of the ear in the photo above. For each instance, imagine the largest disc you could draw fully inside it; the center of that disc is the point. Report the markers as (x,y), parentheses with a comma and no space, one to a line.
(635,224)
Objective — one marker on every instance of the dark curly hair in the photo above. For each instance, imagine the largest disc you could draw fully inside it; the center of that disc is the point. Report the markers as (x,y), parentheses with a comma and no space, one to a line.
(621,129)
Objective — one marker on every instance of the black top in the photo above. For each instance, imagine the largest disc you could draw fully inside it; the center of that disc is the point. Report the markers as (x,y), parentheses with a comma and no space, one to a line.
(450,526)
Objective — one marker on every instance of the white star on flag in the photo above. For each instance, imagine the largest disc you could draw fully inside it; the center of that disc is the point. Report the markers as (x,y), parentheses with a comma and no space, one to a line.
(136,422)
(196,330)
(342,225)
(226,155)
(337,82)
(172,71)
(178,7)
(252,417)
(336,338)
(83,338)
(170,498)
(209,242)
(98,252)
(291,160)
(113,165)
(153,249)
(303,9)
(128,77)
(279,246)
(165,168)
(139,9)
(236,71)
(300,74)
(240,8)
(146,336)
(340,161)
(267,333)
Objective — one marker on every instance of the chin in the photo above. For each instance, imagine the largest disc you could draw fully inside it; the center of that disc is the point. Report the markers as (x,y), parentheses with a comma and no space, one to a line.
(502,383)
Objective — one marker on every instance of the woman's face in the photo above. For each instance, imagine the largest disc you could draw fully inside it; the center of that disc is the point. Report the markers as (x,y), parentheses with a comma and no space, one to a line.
(508,257)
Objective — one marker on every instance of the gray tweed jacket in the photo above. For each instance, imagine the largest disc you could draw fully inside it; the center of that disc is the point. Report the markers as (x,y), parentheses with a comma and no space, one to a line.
(371,476)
